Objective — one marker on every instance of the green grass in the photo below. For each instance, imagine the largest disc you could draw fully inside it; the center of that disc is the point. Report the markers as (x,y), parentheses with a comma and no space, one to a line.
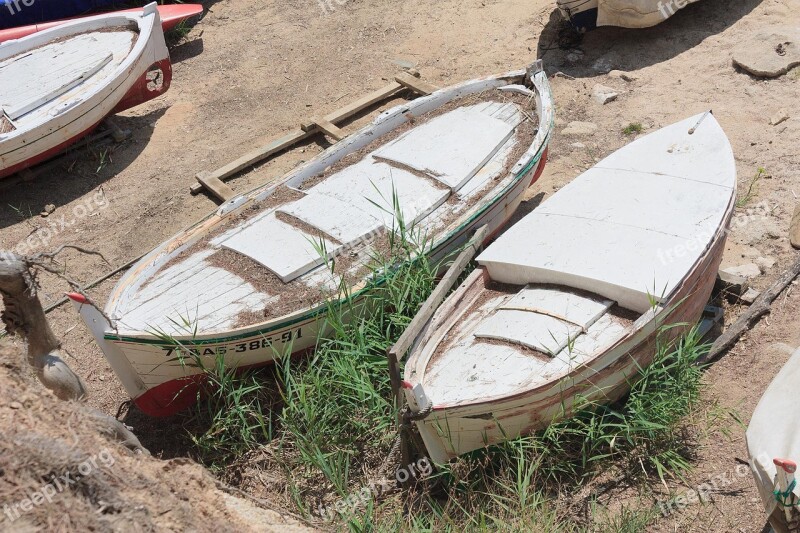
(332,426)
(633,128)
(751,188)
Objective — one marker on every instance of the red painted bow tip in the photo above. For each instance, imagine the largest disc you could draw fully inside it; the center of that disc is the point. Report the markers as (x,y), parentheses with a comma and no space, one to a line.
(789,466)
(407,385)
(76,297)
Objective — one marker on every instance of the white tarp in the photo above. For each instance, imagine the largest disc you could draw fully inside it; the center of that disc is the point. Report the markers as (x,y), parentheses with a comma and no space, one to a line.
(774,430)
(637,13)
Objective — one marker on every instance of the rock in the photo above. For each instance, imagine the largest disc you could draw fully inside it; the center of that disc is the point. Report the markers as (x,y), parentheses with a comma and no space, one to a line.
(48,210)
(749,270)
(603,95)
(765,263)
(402,63)
(603,66)
(750,296)
(578,145)
(15,405)
(574,56)
(731,283)
(768,54)
(619,74)
(794,228)
(579,129)
(781,117)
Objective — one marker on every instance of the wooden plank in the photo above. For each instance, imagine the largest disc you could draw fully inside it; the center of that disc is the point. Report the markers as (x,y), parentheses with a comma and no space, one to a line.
(398,351)
(359,105)
(215,186)
(329,128)
(311,127)
(252,157)
(415,84)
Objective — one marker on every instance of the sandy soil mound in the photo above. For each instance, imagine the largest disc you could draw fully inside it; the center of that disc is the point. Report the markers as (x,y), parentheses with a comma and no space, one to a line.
(58,472)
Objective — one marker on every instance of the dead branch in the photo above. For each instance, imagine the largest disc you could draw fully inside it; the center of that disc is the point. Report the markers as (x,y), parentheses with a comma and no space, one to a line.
(24,315)
(760,307)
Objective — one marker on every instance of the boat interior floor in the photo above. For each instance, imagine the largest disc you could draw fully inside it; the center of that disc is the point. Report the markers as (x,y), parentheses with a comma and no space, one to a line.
(430,175)
(516,339)
(37,85)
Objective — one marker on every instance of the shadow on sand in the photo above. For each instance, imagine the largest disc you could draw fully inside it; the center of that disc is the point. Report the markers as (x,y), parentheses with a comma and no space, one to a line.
(633,49)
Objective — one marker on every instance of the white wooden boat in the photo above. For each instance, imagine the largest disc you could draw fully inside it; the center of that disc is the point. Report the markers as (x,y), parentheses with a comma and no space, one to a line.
(250,279)
(568,301)
(588,14)
(57,85)
(774,447)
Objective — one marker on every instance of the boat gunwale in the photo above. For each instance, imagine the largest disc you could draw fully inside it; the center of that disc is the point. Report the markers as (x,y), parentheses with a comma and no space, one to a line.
(154,260)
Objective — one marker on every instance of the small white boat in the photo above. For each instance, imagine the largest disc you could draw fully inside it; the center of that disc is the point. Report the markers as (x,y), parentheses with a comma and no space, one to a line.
(250,280)
(588,14)
(57,85)
(568,302)
(773,443)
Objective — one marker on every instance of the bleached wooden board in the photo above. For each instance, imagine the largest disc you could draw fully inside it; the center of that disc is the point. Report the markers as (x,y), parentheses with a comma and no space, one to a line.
(452,147)
(342,220)
(192,294)
(477,370)
(369,185)
(532,330)
(33,75)
(576,309)
(282,248)
(599,337)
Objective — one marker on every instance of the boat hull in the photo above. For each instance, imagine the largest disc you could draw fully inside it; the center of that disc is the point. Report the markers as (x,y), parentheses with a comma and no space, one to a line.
(147,76)
(452,431)
(171,16)
(294,336)
(162,382)
(585,15)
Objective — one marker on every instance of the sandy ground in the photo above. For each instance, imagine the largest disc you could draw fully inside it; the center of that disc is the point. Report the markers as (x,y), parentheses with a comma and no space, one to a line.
(252,70)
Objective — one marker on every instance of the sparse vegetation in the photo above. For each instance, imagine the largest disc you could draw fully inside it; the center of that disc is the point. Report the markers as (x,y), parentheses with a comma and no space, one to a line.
(633,128)
(751,188)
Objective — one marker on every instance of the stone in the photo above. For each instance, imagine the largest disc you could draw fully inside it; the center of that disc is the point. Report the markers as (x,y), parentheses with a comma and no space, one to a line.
(603,66)
(768,54)
(794,228)
(48,210)
(578,145)
(765,263)
(748,270)
(622,75)
(603,95)
(780,117)
(750,296)
(579,129)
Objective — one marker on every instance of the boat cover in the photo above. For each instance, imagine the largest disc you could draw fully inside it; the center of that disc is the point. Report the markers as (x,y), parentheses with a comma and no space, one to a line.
(773,430)
(15,13)
(637,13)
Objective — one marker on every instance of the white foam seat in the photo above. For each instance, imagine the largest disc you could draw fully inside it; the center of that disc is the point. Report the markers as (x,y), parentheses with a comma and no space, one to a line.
(629,234)
(452,147)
